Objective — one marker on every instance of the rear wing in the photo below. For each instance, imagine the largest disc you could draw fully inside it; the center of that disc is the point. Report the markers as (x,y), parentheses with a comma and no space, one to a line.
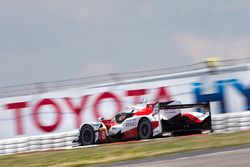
(201,107)
(165,106)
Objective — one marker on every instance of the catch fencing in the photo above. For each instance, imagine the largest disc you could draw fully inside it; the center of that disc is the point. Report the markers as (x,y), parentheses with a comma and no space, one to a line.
(112,78)
(228,122)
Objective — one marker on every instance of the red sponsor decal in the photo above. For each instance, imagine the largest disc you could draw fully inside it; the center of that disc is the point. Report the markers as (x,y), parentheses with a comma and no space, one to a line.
(76,107)
(162,95)
(17,107)
(106,95)
(136,94)
(36,118)
(102,134)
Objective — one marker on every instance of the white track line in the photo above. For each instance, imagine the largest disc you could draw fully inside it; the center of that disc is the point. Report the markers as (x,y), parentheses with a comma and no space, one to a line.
(211,154)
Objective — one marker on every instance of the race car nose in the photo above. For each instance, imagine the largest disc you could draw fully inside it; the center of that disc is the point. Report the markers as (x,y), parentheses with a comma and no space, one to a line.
(115,129)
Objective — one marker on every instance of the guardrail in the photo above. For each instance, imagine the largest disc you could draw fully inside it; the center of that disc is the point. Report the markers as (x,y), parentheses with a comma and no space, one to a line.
(37,143)
(221,123)
(231,121)
(125,77)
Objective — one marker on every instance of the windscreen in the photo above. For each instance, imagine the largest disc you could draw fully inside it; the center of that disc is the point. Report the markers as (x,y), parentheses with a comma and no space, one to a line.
(119,118)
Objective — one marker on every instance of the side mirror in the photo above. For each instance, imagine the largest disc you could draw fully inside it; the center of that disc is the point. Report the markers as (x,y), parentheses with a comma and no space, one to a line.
(100,118)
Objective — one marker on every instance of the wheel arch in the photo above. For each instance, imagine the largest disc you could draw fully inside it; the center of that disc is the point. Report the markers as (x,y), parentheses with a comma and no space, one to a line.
(94,125)
(144,118)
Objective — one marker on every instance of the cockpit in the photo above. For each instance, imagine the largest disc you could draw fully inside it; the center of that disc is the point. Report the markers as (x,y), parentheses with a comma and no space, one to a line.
(126,113)
(119,118)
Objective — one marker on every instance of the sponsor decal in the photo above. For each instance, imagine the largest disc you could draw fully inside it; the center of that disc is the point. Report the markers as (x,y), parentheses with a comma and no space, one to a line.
(65,113)
(221,94)
(130,124)
(67,110)
(102,134)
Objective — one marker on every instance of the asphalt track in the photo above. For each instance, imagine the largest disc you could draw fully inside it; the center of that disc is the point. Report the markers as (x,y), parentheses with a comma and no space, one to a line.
(236,156)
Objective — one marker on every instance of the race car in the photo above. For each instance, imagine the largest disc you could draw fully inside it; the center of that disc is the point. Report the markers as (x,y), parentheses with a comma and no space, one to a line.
(144,121)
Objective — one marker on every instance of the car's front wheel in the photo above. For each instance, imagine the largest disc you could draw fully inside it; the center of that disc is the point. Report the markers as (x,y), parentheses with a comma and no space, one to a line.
(87,135)
(144,129)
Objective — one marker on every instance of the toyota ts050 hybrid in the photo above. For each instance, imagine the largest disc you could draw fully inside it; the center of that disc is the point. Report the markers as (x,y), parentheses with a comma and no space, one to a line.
(144,121)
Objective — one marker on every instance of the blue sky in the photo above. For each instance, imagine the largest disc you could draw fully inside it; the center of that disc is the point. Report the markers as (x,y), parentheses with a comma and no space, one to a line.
(60,39)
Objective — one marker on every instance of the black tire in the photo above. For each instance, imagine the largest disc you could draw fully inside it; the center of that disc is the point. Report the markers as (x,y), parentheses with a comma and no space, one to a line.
(144,129)
(208,125)
(87,135)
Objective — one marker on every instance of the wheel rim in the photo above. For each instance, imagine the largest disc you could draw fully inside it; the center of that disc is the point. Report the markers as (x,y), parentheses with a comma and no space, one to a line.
(87,135)
(145,129)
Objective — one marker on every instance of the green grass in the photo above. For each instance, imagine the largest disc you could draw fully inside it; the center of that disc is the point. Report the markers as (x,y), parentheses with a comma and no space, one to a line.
(115,152)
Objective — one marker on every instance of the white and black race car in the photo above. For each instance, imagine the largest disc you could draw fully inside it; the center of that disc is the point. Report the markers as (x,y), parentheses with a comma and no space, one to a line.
(144,121)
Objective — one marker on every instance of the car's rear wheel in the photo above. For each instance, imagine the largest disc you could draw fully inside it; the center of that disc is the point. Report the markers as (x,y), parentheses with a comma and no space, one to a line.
(144,129)
(87,135)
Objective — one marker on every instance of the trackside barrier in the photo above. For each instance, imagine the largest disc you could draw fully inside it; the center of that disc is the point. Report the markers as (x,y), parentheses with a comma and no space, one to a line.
(37,143)
(231,121)
(221,123)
